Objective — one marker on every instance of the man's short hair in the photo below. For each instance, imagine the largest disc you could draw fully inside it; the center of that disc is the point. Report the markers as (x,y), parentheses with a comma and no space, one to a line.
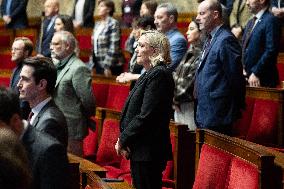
(9,104)
(215,5)
(43,69)
(171,9)
(29,46)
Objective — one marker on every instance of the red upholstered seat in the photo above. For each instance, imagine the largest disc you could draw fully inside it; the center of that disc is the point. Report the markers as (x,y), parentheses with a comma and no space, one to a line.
(243,175)
(106,154)
(213,168)
(30,33)
(280,67)
(90,144)
(5,60)
(100,91)
(84,38)
(6,38)
(114,172)
(117,95)
(263,128)
(4,81)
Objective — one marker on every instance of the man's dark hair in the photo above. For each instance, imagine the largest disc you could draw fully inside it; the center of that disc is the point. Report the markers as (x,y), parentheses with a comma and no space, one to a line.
(9,104)
(43,69)
(146,23)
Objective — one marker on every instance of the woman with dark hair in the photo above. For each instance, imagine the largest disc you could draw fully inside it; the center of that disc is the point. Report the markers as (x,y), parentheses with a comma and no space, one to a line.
(64,22)
(106,41)
(183,102)
(135,70)
(148,7)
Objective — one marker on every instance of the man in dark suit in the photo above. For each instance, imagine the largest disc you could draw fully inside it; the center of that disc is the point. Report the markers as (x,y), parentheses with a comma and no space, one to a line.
(51,10)
(22,48)
(219,85)
(36,84)
(47,157)
(83,14)
(14,13)
(261,45)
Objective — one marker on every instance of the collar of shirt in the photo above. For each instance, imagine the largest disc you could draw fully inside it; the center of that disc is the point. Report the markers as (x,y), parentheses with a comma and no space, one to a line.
(169,33)
(63,62)
(259,15)
(25,127)
(38,108)
(214,31)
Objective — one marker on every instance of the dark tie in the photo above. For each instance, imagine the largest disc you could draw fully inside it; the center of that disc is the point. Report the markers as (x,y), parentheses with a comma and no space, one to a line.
(207,45)
(247,35)
(30,116)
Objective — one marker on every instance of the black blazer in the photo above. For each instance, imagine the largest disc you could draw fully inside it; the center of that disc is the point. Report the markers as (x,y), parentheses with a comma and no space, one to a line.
(145,117)
(18,14)
(52,121)
(48,160)
(88,13)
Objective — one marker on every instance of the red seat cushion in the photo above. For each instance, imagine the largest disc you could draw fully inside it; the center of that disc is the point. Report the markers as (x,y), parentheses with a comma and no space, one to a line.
(117,95)
(4,81)
(100,91)
(213,168)
(280,67)
(5,61)
(263,128)
(90,142)
(106,154)
(243,175)
(241,127)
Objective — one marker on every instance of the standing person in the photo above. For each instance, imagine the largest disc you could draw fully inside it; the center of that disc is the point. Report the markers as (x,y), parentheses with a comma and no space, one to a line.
(166,17)
(261,46)
(36,86)
(148,8)
(130,11)
(183,102)
(106,41)
(144,124)
(14,13)
(83,14)
(22,48)
(277,9)
(64,23)
(51,10)
(47,157)
(219,85)
(73,91)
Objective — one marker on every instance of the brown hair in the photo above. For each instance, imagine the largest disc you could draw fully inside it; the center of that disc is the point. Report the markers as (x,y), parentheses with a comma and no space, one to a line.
(29,46)
(109,4)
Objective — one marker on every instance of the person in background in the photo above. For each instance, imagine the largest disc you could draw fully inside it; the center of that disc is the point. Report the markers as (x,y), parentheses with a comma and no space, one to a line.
(83,14)
(73,90)
(51,10)
(47,158)
(130,11)
(64,23)
(239,18)
(135,70)
(183,102)
(14,166)
(166,22)
(148,8)
(36,86)
(106,41)
(219,84)
(261,41)
(277,9)
(22,48)
(144,124)
(14,13)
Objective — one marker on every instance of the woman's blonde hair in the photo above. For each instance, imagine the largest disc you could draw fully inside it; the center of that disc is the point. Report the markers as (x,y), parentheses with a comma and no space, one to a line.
(160,43)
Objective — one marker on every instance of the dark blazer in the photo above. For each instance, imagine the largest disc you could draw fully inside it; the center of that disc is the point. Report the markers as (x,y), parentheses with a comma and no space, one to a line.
(46,38)
(18,14)
(48,160)
(145,117)
(261,51)
(88,13)
(220,85)
(52,121)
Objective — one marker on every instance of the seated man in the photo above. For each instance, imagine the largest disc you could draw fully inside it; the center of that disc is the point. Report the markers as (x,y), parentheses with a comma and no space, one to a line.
(47,157)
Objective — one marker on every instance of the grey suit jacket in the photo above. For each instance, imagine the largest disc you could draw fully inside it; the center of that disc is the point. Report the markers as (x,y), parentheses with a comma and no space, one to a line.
(74,97)
(52,121)
(48,160)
